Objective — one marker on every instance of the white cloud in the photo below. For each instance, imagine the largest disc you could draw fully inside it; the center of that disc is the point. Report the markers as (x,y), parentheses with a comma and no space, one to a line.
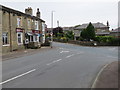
(70,14)
(60,1)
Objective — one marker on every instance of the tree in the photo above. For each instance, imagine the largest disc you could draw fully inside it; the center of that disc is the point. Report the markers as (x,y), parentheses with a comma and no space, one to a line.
(84,34)
(89,32)
(69,35)
(57,30)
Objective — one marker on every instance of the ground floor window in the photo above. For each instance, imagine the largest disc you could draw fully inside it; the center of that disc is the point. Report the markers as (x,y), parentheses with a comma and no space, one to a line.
(19,38)
(30,38)
(5,38)
(39,39)
(34,38)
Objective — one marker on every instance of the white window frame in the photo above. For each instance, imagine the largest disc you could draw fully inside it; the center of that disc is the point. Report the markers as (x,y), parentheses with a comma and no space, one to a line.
(35,39)
(36,25)
(19,22)
(43,26)
(4,36)
(21,38)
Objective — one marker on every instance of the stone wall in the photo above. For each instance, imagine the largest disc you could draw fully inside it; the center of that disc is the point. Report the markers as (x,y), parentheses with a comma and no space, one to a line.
(9,25)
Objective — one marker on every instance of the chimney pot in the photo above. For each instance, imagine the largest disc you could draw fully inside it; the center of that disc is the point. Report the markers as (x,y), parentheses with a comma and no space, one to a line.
(28,11)
(38,13)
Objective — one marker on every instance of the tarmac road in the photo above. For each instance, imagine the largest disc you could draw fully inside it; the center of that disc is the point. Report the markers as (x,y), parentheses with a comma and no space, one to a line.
(66,66)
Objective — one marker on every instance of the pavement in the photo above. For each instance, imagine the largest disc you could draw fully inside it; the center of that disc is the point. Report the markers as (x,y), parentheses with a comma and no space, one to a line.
(20,53)
(108,76)
(64,66)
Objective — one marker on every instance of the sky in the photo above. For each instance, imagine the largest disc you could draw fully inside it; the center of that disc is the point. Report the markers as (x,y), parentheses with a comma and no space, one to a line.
(70,12)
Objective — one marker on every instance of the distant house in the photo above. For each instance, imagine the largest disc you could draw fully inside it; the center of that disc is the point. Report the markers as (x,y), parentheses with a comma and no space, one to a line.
(115,33)
(65,29)
(48,30)
(57,30)
(100,29)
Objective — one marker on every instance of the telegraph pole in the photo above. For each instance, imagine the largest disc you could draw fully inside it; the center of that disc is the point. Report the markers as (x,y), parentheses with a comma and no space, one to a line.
(57,23)
(58,26)
(51,29)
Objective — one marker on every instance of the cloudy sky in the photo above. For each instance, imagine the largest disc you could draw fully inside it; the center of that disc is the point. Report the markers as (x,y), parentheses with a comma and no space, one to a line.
(71,12)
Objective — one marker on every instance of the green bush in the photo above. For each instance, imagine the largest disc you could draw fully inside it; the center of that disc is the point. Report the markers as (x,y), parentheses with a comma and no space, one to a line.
(64,39)
(69,35)
(108,40)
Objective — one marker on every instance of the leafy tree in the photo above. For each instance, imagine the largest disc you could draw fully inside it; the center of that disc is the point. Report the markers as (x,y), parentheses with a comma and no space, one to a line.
(84,34)
(69,35)
(89,32)
(57,31)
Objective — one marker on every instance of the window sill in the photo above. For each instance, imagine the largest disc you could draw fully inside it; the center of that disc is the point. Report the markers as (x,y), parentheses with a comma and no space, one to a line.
(20,43)
(6,45)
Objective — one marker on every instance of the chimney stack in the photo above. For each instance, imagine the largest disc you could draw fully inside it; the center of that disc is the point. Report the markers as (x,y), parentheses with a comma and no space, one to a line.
(29,11)
(38,13)
(108,24)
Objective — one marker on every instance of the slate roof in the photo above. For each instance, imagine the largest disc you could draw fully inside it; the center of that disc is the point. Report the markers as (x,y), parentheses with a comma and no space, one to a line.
(103,33)
(116,30)
(96,25)
(19,13)
(67,28)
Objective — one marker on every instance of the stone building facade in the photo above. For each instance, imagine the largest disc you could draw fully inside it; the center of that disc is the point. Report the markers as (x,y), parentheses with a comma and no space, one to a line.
(18,26)
(100,29)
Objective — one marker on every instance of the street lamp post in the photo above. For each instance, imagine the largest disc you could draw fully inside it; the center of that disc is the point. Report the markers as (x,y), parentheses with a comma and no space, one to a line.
(58,28)
(52,28)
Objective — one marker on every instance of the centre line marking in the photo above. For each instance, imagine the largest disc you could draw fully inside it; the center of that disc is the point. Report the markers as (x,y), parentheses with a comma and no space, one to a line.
(17,76)
(54,61)
(64,51)
(70,55)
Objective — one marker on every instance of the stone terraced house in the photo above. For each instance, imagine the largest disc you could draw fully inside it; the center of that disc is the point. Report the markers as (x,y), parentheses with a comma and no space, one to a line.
(17,26)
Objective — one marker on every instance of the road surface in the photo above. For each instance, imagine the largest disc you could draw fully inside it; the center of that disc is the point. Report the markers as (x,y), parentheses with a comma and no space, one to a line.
(66,66)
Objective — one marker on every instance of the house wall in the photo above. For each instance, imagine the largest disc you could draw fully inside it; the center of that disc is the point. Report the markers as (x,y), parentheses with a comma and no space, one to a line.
(5,29)
(102,30)
(9,25)
(0,32)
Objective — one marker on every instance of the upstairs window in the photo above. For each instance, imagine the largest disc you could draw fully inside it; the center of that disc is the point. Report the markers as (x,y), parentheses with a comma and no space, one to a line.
(19,22)
(36,25)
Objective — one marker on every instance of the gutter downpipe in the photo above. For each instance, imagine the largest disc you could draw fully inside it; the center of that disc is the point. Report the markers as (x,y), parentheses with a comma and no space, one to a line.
(10,33)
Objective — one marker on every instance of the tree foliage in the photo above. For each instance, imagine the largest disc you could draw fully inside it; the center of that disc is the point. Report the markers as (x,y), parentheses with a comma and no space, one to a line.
(69,35)
(89,32)
(57,31)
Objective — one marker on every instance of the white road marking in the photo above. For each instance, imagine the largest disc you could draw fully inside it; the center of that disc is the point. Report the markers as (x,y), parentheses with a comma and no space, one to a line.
(59,60)
(61,48)
(98,75)
(64,51)
(70,55)
(80,53)
(54,61)
(17,76)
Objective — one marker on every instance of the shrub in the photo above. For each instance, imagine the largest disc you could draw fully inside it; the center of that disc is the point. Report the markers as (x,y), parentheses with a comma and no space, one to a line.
(108,40)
